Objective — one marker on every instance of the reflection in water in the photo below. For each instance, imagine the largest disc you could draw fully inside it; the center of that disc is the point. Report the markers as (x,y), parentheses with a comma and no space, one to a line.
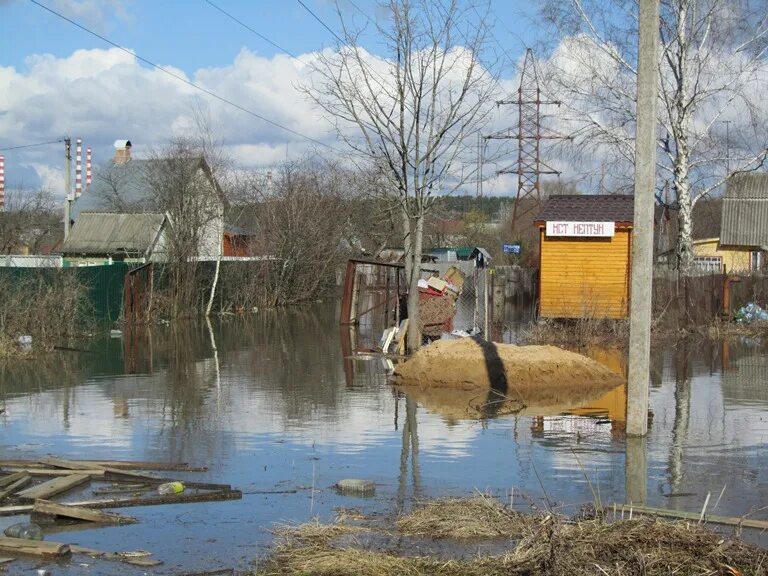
(682,416)
(410,447)
(265,399)
(636,470)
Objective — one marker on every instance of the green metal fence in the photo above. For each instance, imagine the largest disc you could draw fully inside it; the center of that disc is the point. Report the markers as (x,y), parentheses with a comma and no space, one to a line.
(105,284)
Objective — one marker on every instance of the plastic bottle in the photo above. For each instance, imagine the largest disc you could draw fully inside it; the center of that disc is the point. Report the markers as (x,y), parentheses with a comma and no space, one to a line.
(25,530)
(170,488)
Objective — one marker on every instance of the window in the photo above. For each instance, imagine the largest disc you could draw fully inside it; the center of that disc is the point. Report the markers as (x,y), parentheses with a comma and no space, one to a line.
(708,264)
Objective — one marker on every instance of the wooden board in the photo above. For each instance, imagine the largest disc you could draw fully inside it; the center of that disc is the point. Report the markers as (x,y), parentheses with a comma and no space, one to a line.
(121,464)
(84,468)
(214,496)
(57,472)
(11,478)
(55,486)
(48,508)
(34,547)
(708,518)
(162,499)
(18,485)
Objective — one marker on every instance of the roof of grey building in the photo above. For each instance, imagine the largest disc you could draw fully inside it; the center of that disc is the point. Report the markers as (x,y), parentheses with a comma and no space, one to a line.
(745,211)
(587,208)
(126,187)
(108,233)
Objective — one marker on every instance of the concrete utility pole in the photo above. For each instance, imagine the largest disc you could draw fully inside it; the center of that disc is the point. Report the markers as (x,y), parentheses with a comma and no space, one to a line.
(642,231)
(67,185)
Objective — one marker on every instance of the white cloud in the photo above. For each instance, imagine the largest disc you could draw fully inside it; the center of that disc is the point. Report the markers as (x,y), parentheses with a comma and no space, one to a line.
(103,95)
(94,13)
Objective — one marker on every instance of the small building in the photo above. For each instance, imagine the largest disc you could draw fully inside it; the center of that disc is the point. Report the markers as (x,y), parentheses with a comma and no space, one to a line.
(106,237)
(745,217)
(585,256)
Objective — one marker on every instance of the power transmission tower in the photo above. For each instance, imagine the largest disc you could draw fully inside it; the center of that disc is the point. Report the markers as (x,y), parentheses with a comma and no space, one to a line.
(529,166)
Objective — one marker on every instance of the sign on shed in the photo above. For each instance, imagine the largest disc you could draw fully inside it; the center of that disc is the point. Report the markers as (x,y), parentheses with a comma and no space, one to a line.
(587,229)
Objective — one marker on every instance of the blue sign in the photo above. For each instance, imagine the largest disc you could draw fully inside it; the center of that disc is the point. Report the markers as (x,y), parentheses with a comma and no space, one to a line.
(511,248)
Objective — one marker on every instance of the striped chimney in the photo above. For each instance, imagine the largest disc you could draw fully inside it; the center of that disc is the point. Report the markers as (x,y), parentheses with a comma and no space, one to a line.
(2,183)
(78,168)
(88,173)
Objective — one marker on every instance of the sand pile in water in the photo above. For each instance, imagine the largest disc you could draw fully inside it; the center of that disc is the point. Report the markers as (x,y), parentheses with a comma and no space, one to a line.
(470,364)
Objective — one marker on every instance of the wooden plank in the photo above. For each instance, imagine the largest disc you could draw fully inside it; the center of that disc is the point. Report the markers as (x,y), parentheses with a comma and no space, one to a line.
(34,547)
(142,465)
(15,510)
(120,464)
(55,486)
(56,472)
(11,478)
(66,464)
(83,467)
(708,518)
(215,496)
(18,485)
(48,508)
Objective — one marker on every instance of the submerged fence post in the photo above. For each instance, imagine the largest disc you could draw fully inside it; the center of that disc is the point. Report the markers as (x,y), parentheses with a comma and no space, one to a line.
(642,232)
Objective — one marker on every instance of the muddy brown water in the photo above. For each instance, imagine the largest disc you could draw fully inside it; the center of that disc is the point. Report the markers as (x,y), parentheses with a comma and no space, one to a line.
(270,404)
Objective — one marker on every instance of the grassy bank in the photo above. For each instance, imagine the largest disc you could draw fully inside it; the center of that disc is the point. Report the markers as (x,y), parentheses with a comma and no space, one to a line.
(544,544)
(584,332)
(49,307)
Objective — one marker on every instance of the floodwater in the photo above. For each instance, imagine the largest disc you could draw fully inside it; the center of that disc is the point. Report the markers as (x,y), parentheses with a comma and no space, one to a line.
(272,406)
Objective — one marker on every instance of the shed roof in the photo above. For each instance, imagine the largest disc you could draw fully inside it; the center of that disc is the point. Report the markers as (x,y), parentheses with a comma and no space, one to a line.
(111,233)
(592,208)
(745,211)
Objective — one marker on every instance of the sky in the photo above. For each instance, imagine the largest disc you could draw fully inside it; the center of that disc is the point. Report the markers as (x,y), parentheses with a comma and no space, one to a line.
(56,79)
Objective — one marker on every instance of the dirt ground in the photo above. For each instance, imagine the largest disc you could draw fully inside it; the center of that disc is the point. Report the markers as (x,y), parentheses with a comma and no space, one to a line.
(514,371)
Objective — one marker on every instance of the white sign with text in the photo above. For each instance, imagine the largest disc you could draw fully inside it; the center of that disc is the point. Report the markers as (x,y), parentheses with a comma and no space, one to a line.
(589,229)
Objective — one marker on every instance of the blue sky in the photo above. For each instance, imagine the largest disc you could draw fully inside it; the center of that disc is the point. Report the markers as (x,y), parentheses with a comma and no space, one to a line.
(59,80)
(191,34)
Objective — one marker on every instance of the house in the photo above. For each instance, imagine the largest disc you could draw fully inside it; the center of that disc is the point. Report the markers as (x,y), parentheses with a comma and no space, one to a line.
(585,256)
(744,225)
(121,217)
(106,237)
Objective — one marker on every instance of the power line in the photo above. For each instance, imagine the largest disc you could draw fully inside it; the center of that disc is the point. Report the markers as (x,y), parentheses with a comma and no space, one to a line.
(32,145)
(184,80)
(323,24)
(259,34)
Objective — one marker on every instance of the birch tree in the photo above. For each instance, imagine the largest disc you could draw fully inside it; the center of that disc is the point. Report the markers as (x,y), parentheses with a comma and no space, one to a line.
(712,71)
(412,113)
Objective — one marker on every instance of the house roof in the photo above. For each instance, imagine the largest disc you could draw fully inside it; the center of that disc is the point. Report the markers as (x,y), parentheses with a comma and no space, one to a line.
(745,211)
(111,233)
(587,208)
(126,188)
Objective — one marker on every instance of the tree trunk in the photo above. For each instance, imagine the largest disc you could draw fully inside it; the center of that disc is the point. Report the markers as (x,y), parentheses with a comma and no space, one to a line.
(213,286)
(684,247)
(414,330)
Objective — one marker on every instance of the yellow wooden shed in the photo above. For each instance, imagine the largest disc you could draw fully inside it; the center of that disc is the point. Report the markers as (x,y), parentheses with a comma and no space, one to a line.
(584,256)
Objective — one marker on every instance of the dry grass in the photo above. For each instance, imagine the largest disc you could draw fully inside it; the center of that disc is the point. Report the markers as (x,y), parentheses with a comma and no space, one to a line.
(578,332)
(651,547)
(314,532)
(48,305)
(480,516)
(551,546)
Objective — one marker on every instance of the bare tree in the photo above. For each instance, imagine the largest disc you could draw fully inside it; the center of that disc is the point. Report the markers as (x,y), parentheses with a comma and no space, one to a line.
(29,220)
(302,217)
(413,113)
(183,187)
(712,62)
